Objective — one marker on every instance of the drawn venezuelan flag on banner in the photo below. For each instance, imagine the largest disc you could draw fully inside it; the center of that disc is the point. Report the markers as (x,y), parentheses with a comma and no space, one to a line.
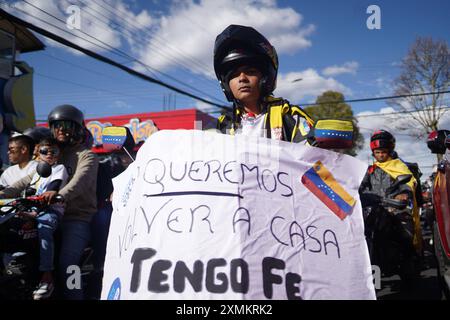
(321,182)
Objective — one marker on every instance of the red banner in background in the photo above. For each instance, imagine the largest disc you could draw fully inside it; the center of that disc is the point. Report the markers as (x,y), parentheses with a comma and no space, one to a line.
(139,130)
(143,125)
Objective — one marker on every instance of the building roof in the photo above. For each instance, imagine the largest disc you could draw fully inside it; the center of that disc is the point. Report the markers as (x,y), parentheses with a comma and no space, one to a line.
(26,41)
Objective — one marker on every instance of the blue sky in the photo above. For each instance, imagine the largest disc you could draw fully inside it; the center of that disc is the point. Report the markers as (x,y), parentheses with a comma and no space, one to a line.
(325,43)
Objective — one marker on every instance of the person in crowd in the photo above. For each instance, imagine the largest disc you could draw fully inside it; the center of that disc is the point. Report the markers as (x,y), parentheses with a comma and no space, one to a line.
(49,217)
(20,153)
(381,176)
(66,123)
(246,65)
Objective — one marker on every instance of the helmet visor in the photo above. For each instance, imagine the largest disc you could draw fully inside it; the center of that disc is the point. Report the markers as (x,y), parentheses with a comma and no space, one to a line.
(230,67)
(381,144)
(65,125)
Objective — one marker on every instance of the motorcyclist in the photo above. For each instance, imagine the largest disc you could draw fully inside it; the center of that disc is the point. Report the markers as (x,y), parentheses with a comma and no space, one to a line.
(47,218)
(246,65)
(66,123)
(380,177)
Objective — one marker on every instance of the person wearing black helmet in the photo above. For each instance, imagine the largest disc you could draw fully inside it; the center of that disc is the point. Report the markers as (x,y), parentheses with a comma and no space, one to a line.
(246,65)
(387,165)
(66,123)
(380,177)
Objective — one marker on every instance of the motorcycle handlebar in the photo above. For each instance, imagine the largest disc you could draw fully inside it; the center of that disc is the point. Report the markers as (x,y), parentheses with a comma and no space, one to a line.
(10,207)
(393,203)
(30,200)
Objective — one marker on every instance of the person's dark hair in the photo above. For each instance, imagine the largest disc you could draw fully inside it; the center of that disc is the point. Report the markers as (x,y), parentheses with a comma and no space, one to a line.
(23,140)
(49,142)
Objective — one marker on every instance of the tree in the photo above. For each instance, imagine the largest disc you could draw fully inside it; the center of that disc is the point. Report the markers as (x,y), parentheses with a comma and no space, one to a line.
(331,105)
(426,68)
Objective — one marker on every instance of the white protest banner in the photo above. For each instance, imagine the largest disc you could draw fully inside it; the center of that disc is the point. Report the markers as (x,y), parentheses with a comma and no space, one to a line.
(200,215)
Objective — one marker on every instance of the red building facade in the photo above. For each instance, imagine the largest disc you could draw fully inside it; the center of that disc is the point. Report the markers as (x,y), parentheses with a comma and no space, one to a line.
(142,125)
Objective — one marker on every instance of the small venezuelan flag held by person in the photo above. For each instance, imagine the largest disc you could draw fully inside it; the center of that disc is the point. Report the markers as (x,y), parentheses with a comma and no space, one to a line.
(339,133)
(113,138)
(321,182)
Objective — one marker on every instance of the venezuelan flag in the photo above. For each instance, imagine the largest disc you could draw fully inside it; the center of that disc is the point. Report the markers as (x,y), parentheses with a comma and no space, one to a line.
(321,182)
(340,132)
(114,137)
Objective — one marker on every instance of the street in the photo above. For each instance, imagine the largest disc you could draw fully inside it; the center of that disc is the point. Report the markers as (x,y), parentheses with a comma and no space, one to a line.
(426,287)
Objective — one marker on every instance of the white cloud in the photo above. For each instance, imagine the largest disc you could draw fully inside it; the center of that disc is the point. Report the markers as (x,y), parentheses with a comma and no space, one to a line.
(200,105)
(409,148)
(101,28)
(120,104)
(384,84)
(188,32)
(183,36)
(348,67)
(143,19)
(296,86)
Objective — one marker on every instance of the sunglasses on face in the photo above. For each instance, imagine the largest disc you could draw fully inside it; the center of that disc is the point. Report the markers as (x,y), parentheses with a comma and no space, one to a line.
(13,149)
(63,124)
(51,151)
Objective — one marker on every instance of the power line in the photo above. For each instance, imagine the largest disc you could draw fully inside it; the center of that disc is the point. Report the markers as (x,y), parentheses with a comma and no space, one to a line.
(162,41)
(114,49)
(88,87)
(129,33)
(375,98)
(370,130)
(104,59)
(78,66)
(366,99)
(394,113)
(191,66)
(115,93)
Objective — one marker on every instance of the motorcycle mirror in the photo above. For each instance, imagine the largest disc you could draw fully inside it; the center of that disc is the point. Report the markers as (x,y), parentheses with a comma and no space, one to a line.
(397,204)
(44,169)
(333,134)
(437,141)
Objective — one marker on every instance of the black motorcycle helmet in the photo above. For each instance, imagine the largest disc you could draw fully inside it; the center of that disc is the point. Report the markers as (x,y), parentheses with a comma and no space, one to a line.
(71,117)
(38,133)
(382,139)
(240,44)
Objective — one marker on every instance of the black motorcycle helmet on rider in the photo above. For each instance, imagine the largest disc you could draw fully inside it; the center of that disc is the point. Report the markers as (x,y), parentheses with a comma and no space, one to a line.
(238,45)
(71,119)
(38,133)
(382,139)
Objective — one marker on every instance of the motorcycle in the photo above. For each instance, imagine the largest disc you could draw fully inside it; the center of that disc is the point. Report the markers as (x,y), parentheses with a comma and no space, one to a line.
(389,231)
(19,243)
